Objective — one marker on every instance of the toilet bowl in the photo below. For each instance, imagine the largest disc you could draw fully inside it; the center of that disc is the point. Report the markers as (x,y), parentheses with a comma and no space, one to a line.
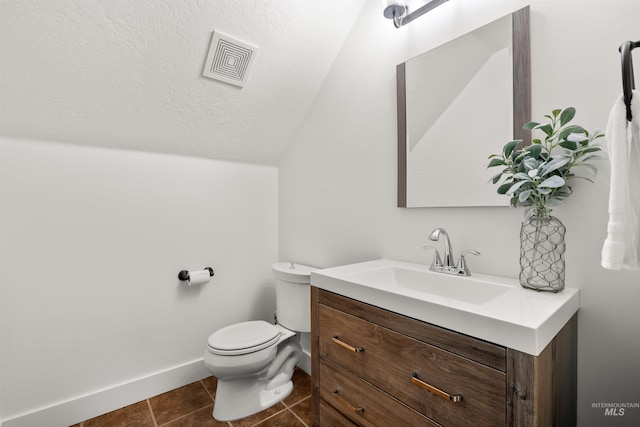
(254,360)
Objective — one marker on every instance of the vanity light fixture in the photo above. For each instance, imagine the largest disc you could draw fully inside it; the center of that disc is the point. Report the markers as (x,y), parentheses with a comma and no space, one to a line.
(398,11)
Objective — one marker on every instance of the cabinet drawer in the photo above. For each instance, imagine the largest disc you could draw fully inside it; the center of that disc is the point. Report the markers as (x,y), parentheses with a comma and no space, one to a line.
(329,417)
(405,368)
(492,355)
(362,403)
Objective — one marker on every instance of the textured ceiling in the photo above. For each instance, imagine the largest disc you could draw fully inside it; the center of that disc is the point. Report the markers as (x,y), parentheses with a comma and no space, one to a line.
(128,74)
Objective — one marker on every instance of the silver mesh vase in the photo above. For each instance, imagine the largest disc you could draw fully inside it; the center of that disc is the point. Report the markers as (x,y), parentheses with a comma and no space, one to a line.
(542,250)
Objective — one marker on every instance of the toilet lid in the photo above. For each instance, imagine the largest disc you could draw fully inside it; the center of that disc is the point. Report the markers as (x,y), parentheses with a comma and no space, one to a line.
(244,337)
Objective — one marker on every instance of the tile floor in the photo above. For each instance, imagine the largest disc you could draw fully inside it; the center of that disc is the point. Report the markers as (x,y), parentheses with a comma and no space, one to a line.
(191,406)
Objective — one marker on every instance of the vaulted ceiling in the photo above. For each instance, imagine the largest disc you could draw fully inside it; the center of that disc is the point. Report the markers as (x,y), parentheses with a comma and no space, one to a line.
(128,74)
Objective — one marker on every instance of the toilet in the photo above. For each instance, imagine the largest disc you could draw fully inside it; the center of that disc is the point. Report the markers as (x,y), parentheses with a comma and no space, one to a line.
(254,360)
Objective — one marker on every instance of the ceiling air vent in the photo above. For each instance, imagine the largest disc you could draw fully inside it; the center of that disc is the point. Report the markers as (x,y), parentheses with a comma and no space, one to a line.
(229,60)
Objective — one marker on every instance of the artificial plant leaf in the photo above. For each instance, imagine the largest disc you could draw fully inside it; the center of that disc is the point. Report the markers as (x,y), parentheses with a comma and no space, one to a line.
(535,150)
(530,125)
(564,133)
(554,164)
(504,187)
(515,187)
(556,112)
(521,175)
(524,195)
(530,163)
(494,179)
(510,146)
(577,137)
(569,145)
(567,115)
(591,149)
(496,162)
(546,129)
(554,181)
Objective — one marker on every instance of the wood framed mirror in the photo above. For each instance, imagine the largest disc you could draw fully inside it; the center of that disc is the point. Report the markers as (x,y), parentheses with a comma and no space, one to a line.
(457,104)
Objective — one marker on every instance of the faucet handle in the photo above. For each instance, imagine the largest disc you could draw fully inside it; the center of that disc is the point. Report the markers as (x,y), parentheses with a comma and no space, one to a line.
(462,264)
(470,251)
(437,261)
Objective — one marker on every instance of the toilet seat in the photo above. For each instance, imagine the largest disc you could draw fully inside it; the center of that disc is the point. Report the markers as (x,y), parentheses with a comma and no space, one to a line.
(243,338)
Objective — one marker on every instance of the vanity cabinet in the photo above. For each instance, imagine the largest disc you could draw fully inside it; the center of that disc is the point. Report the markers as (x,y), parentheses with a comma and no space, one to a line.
(373,367)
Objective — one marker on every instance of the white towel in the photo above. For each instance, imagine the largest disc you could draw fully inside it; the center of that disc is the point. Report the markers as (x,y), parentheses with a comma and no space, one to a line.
(621,248)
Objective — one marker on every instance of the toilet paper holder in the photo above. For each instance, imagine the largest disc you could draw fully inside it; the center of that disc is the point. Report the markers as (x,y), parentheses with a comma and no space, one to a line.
(184,274)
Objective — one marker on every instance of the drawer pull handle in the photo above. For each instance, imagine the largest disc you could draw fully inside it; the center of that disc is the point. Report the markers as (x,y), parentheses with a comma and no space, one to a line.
(455,398)
(347,346)
(357,410)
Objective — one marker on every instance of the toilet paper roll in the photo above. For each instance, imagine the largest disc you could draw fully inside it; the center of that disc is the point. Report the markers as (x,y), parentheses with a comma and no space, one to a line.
(198,277)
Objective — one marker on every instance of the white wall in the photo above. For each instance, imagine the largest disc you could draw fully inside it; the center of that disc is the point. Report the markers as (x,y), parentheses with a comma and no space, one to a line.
(337,184)
(92,241)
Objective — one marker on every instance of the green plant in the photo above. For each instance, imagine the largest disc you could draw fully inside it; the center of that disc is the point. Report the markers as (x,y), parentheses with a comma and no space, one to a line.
(538,175)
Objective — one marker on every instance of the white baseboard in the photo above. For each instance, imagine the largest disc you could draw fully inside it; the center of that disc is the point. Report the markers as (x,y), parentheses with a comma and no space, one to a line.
(91,405)
(304,363)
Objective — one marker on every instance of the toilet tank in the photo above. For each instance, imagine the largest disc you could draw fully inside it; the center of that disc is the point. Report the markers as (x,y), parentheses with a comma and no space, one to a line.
(293,295)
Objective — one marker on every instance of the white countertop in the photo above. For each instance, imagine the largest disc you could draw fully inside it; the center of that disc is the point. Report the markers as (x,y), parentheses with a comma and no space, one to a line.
(514,317)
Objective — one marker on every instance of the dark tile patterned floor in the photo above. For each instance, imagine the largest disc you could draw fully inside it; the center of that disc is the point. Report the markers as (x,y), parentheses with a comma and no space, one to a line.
(191,406)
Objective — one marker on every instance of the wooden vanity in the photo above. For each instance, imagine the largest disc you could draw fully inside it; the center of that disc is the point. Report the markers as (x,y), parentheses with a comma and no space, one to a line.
(374,367)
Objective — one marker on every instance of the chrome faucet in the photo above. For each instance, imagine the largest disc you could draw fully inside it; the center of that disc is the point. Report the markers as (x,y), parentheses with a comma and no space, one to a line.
(448,250)
(447,266)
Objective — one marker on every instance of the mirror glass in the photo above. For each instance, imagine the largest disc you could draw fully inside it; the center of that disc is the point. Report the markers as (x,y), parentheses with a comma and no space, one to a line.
(462,101)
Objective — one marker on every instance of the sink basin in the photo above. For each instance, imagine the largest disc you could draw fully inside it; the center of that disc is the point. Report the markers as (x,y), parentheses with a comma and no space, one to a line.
(462,288)
(496,309)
